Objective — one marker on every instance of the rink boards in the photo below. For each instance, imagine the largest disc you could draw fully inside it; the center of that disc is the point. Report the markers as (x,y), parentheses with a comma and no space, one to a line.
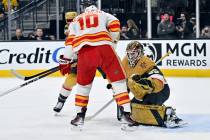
(189,58)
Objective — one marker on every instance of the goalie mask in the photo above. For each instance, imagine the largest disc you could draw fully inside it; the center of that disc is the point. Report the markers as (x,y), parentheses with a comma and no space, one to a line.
(134,52)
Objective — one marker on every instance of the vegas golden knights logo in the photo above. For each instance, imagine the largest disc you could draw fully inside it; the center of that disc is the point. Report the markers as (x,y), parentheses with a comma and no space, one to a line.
(153,51)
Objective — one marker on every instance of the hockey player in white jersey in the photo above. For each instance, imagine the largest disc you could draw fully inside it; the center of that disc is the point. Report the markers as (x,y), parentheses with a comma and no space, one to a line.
(92,35)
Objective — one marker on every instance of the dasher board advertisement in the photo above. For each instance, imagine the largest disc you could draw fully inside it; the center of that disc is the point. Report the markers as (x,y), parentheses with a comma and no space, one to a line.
(188,58)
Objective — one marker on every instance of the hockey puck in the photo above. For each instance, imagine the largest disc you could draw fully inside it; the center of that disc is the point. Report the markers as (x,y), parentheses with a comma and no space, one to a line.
(109,86)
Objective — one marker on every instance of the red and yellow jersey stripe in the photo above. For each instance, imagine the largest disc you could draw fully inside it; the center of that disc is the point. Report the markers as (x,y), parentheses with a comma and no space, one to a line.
(100,36)
(97,37)
(114,26)
(69,40)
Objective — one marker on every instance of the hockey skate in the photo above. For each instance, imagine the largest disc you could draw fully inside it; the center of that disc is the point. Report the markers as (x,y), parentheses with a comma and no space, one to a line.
(127,124)
(78,122)
(172,121)
(60,104)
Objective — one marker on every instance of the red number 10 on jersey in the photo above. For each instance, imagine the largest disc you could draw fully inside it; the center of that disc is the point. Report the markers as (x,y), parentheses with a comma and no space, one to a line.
(91,20)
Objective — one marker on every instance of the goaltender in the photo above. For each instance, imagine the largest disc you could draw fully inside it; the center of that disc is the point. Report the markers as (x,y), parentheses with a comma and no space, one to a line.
(150,89)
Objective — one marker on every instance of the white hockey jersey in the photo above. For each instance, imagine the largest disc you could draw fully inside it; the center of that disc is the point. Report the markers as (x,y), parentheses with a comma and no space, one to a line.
(92,28)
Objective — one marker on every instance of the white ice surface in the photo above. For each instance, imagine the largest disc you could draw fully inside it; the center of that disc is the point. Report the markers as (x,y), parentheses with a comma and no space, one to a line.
(26,114)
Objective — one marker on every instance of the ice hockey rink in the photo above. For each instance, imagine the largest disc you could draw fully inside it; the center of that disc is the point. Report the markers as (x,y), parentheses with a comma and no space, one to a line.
(27,113)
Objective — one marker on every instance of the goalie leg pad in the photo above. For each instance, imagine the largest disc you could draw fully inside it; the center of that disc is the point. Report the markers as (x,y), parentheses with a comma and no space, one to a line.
(148,114)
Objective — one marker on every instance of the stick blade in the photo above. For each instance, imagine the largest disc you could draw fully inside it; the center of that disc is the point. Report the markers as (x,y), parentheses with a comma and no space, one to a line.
(88,118)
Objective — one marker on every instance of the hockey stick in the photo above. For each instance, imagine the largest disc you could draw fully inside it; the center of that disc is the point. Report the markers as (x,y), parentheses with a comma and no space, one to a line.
(163,57)
(29,82)
(109,86)
(25,78)
(100,110)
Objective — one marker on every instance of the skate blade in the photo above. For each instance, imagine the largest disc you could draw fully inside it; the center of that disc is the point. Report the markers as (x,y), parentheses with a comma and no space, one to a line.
(57,114)
(77,128)
(182,124)
(127,128)
(179,125)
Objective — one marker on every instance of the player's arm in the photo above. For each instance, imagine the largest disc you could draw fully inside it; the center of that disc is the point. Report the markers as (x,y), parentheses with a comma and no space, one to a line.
(157,79)
(113,26)
(68,51)
(66,59)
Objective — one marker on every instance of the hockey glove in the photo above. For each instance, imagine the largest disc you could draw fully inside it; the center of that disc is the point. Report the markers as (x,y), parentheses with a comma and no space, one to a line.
(146,83)
(140,86)
(136,77)
(64,65)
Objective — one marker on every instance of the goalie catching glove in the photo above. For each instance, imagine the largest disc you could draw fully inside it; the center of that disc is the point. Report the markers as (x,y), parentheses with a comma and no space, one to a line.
(140,86)
(64,65)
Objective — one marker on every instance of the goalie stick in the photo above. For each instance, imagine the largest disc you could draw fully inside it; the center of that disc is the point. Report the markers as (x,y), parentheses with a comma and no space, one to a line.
(163,57)
(25,78)
(109,86)
(100,110)
(29,82)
